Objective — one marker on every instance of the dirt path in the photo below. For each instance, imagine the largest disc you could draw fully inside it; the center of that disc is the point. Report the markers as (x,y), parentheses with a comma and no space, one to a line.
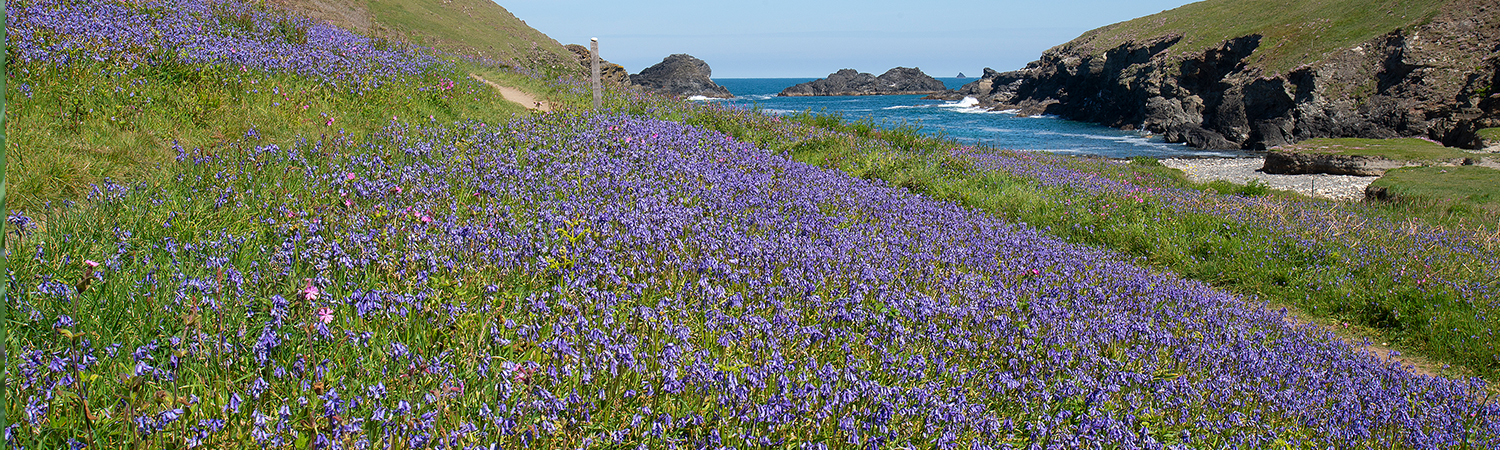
(516,95)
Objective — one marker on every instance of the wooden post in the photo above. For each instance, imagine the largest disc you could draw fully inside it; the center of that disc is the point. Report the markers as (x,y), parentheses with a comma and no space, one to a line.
(594,64)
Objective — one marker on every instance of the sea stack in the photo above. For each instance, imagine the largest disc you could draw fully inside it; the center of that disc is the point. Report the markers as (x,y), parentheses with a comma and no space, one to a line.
(681,75)
(897,81)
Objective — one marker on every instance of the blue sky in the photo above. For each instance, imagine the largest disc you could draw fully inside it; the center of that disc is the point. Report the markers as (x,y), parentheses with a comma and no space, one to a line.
(812,38)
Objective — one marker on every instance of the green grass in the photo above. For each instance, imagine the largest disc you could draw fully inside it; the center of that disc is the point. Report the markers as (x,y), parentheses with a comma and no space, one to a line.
(1294,31)
(1464,185)
(468,27)
(1490,135)
(472,27)
(73,127)
(1402,149)
(1324,276)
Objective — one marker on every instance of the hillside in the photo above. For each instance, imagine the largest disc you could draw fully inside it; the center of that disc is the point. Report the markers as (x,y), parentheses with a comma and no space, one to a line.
(1256,74)
(348,243)
(479,28)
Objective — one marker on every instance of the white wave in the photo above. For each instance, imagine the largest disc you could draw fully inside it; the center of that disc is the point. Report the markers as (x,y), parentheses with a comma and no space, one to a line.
(700,98)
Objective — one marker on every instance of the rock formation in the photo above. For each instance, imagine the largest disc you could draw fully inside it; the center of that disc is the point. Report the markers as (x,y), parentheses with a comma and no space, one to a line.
(897,81)
(608,72)
(1438,79)
(682,76)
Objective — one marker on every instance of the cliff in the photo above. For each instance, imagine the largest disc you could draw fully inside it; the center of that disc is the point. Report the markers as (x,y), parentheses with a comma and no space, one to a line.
(900,80)
(1253,75)
(682,76)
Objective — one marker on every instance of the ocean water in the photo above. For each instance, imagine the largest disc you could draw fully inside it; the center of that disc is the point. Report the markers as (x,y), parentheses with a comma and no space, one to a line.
(961,121)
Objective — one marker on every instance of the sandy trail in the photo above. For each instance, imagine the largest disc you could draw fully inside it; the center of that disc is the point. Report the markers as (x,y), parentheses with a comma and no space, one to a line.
(516,95)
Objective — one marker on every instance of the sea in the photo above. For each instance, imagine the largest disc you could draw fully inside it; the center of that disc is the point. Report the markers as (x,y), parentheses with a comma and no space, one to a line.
(962,121)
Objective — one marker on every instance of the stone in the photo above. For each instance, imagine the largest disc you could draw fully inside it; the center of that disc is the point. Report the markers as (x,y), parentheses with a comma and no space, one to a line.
(897,81)
(681,75)
(1297,163)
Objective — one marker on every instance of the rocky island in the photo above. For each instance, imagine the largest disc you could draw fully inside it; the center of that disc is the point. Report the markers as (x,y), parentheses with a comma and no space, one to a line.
(1423,69)
(897,81)
(680,75)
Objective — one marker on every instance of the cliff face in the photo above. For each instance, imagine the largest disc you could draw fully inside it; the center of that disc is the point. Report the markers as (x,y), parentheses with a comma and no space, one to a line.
(1438,79)
(900,80)
(682,76)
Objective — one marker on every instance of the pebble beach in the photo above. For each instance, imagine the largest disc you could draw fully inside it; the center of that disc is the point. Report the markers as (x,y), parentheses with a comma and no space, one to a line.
(1245,170)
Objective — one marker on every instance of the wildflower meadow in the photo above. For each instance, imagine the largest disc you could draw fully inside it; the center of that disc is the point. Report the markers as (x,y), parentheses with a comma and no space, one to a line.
(648,275)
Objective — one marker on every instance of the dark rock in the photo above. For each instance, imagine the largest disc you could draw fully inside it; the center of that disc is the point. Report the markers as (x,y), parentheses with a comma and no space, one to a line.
(897,81)
(1298,163)
(680,75)
(1378,194)
(1197,137)
(608,72)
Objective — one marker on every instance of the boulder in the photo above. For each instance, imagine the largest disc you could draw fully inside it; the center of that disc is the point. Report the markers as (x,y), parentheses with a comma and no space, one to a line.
(897,81)
(1298,163)
(680,75)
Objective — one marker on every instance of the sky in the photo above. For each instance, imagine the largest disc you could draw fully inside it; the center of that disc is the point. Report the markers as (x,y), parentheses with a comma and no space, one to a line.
(813,38)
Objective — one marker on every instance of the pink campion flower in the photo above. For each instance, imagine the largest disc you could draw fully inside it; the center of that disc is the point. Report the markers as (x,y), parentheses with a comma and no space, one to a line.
(90,263)
(309,292)
(325,315)
(329,123)
(349,176)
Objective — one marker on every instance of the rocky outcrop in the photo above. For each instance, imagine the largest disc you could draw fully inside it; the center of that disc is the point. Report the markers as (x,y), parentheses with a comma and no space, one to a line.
(1294,163)
(897,81)
(1433,79)
(608,72)
(680,75)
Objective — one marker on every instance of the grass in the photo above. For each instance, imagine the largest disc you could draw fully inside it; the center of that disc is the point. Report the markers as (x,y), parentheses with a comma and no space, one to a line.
(1293,32)
(377,281)
(1401,149)
(1462,186)
(1490,135)
(1361,275)
(469,27)
(71,127)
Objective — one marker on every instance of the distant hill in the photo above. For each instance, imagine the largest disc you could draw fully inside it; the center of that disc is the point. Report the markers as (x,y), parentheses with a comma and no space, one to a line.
(1259,73)
(469,27)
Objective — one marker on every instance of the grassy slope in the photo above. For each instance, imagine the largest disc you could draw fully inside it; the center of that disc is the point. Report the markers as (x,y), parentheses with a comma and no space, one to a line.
(1490,134)
(68,129)
(469,27)
(76,128)
(1174,244)
(1404,149)
(1294,31)
(1464,185)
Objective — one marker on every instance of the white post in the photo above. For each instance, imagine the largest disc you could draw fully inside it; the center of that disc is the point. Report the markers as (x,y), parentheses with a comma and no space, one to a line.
(594,64)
